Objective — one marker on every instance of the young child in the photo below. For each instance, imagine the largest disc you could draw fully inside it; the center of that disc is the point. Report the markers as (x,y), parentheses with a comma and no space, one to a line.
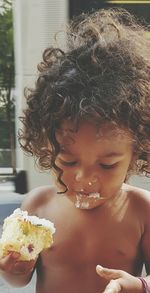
(88,120)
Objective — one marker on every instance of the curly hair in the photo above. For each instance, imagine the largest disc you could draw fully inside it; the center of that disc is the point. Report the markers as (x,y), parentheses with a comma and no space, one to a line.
(104,75)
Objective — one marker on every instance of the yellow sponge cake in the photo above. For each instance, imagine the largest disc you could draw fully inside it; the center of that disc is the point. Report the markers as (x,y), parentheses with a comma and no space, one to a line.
(25,234)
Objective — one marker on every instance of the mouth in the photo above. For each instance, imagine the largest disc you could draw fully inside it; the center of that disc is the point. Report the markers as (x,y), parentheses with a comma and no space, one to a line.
(87,200)
(94,195)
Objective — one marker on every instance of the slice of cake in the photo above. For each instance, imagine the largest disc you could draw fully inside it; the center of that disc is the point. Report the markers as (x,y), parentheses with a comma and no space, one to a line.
(25,234)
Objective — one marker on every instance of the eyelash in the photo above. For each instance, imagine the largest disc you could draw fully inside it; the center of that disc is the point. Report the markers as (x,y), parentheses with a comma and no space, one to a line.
(104,166)
(68,163)
(107,167)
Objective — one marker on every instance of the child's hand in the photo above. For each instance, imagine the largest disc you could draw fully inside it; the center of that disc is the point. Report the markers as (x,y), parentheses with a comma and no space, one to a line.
(119,281)
(13,265)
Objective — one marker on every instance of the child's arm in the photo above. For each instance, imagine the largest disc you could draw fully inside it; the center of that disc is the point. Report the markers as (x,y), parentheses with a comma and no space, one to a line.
(16,272)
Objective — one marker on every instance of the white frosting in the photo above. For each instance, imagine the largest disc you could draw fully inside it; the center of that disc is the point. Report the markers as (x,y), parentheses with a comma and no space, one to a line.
(83,205)
(33,219)
(86,201)
(94,195)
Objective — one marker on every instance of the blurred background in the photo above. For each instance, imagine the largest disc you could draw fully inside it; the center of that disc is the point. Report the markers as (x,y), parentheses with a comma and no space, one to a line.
(27,27)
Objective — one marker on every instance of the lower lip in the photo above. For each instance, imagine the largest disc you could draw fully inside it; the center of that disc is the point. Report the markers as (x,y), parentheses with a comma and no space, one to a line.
(95,195)
(86,201)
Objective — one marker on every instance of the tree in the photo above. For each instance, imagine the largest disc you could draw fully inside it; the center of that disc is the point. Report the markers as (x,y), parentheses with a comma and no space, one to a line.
(5,5)
(7,74)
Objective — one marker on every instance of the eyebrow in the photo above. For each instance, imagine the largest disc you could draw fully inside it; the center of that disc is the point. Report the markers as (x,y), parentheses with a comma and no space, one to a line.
(108,155)
(112,154)
(64,150)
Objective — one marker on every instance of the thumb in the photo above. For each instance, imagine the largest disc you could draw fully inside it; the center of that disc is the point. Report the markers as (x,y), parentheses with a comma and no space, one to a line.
(108,274)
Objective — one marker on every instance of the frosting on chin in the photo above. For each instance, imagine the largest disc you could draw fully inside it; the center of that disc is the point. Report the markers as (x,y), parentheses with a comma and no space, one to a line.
(92,200)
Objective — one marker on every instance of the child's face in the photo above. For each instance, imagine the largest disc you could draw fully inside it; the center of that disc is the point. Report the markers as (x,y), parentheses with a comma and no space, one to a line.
(94,162)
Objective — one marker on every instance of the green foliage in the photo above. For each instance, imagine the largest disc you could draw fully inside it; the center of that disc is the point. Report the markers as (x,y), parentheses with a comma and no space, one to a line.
(7,107)
(5,5)
(6,51)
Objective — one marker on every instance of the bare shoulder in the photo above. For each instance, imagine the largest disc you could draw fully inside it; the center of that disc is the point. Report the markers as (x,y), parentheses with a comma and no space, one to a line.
(140,202)
(37,197)
(139,196)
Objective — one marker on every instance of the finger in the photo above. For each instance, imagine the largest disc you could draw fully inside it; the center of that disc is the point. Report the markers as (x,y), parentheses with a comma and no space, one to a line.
(108,274)
(7,261)
(12,262)
(14,255)
(20,269)
(113,287)
(24,266)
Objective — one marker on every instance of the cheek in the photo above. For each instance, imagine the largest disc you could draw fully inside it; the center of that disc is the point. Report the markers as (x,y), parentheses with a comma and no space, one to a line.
(68,176)
(111,182)
(114,180)
(111,179)
(67,172)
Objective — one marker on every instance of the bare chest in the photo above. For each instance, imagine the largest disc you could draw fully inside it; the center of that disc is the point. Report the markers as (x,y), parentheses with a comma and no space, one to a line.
(79,243)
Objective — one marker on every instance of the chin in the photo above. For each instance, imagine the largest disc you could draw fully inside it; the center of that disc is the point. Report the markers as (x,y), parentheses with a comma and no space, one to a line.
(86,203)
(87,206)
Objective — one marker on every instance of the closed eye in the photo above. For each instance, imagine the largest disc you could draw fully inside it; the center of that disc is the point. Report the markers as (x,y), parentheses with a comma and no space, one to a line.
(107,167)
(68,163)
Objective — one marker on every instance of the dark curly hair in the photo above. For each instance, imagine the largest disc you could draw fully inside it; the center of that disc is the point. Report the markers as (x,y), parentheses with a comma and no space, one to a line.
(104,75)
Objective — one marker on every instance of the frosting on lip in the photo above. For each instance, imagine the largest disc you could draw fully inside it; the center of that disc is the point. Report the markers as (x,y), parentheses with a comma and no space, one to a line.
(95,195)
(87,200)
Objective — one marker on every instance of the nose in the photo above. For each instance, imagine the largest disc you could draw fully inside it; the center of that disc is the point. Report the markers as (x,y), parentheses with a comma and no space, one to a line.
(86,178)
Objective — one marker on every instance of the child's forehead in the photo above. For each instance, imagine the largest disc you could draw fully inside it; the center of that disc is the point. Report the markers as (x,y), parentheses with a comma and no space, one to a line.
(114,131)
(105,131)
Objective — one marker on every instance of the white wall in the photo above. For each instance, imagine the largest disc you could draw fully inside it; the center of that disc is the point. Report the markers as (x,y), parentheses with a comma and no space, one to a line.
(35,24)
(140,181)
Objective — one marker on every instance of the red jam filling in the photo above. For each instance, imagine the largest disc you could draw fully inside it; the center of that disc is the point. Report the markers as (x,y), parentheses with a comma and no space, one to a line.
(30,248)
